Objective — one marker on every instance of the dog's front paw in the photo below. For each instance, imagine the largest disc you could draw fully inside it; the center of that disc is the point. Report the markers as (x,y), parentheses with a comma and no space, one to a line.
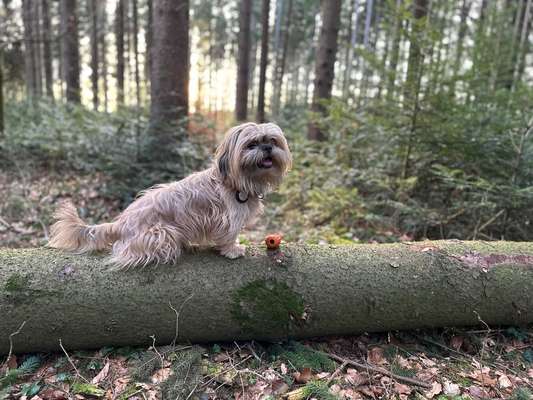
(235,251)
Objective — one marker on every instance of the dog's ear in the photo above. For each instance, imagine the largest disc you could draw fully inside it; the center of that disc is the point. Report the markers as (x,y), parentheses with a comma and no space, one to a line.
(223,164)
(223,152)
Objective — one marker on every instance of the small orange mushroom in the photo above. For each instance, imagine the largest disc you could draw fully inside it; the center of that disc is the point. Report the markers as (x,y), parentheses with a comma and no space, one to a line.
(273,241)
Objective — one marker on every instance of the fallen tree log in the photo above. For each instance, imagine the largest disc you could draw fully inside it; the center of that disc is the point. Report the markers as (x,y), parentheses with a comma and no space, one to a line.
(296,291)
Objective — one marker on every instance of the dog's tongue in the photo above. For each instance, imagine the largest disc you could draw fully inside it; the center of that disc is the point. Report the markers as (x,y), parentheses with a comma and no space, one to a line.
(267,163)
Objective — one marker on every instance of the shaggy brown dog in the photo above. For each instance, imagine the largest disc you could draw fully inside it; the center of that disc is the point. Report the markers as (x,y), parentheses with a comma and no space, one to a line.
(210,206)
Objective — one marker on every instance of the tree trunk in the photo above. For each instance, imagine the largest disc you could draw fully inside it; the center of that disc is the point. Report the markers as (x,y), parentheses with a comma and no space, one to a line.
(243,67)
(265,11)
(170,71)
(463,26)
(416,57)
(102,17)
(524,44)
(70,50)
(29,54)
(47,49)
(279,70)
(325,61)
(37,41)
(299,291)
(2,134)
(119,43)
(136,54)
(352,40)
(148,40)
(395,52)
(93,13)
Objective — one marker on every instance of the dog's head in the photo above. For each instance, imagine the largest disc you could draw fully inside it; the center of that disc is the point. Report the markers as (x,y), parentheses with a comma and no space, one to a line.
(253,158)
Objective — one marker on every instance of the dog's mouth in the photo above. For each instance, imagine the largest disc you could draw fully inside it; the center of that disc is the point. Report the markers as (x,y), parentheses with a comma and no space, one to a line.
(266,163)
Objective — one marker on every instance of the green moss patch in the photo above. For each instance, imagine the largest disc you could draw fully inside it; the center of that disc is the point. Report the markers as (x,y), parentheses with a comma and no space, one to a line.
(17,283)
(267,306)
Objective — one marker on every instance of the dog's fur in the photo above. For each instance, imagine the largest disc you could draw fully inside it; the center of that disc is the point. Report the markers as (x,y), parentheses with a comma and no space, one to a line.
(202,208)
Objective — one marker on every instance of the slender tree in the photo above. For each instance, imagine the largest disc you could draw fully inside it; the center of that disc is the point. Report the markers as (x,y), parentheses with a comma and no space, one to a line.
(1,92)
(463,26)
(29,49)
(352,40)
(523,48)
(93,13)
(47,49)
(37,48)
(102,18)
(281,60)
(148,40)
(70,50)
(395,51)
(136,53)
(170,72)
(265,11)
(414,75)
(416,56)
(243,62)
(325,61)
(119,43)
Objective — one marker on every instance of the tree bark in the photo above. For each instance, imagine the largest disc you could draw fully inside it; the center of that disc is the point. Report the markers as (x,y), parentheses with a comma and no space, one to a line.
(70,50)
(416,57)
(395,51)
(102,16)
(243,67)
(2,134)
(29,53)
(93,12)
(265,11)
(279,70)
(119,43)
(170,71)
(37,41)
(47,49)
(136,54)
(298,291)
(325,61)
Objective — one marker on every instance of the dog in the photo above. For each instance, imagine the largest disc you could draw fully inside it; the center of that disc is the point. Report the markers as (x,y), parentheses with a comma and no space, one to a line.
(208,207)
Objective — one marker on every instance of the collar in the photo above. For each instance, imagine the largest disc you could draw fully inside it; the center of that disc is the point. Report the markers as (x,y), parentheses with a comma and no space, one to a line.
(243,197)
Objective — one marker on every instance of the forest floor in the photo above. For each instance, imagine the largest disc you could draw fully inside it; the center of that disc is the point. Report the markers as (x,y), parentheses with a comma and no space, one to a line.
(432,364)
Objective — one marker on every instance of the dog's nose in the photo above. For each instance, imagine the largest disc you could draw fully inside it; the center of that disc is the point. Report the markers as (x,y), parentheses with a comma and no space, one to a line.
(267,148)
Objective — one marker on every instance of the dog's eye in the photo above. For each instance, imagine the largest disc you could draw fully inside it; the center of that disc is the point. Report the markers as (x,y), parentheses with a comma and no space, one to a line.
(274,142)
(252,145)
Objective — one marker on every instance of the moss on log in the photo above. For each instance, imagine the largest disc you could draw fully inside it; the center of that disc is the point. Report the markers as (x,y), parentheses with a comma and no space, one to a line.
(298,291)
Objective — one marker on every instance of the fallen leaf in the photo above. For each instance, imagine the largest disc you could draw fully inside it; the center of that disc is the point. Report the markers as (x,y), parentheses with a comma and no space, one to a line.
(456,342)
(436,388)
(283,368)
(12,362)
(402,389)
(54,394)
(120,384)
(483,378)
(101,375)
(161,375)
(355,378)
(303,377)
(375,356)
(478,392)
(451,389)
(221,357)
(322,375)
(504,382)
(279,387)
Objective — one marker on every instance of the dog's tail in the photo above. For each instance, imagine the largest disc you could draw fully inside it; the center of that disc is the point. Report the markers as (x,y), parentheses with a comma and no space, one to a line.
(71,233)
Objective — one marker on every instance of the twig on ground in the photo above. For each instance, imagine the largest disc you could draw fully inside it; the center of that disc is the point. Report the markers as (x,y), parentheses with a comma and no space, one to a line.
(72,363)
(380,370)
(484,341)
(10,352)
(337,372)
(157,352)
